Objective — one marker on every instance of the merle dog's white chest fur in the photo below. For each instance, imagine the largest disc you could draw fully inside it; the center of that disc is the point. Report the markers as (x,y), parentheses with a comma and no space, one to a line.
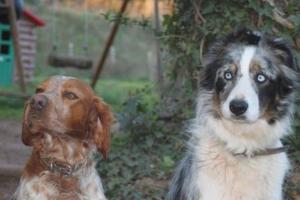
(221,176)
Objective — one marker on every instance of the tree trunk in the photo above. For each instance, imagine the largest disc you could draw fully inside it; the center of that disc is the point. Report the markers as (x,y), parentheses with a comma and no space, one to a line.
(158,71)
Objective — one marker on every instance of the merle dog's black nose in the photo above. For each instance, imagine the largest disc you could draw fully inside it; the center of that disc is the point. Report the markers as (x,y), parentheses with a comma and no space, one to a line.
(238,107)
(38,102)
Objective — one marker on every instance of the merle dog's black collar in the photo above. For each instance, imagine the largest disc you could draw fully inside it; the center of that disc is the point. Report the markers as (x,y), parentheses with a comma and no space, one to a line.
(266,152)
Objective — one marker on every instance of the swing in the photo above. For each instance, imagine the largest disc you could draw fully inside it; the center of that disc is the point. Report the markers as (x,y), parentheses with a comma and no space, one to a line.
(63,61)
(69,60)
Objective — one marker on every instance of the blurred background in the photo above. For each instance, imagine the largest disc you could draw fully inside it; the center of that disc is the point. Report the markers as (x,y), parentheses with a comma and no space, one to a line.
(152,57)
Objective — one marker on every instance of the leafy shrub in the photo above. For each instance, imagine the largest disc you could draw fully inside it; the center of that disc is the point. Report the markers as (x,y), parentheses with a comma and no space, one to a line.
(143,156)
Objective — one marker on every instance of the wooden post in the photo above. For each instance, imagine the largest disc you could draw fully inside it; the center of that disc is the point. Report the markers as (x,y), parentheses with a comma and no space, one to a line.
(101,61)
(159,72)
(12,94)
(15,36)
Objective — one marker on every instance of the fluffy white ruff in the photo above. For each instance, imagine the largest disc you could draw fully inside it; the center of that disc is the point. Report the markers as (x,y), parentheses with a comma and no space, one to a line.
(219,175)
(248,138)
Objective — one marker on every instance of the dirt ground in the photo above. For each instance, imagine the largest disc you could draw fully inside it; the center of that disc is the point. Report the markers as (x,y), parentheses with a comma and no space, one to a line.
(13,156)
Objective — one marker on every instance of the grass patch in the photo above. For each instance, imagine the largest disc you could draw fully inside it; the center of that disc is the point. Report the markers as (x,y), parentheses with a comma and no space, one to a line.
(11,108)
(115,92)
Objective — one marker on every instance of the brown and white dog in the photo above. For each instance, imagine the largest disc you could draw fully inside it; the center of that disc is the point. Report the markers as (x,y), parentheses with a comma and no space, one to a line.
(245,106)
(66,124)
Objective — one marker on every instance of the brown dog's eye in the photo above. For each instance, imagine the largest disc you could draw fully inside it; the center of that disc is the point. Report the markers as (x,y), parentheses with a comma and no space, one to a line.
(70,95)
(39,90)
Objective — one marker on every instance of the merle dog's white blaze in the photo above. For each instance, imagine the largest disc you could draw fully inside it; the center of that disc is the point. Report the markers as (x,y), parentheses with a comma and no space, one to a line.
(244,89)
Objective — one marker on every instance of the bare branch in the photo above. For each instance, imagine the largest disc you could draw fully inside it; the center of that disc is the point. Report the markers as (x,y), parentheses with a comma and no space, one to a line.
(198,13)
(278,16)
(201,48)
(282,21)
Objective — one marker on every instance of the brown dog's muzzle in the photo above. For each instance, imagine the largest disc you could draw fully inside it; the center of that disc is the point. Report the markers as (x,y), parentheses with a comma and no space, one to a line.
(38,102)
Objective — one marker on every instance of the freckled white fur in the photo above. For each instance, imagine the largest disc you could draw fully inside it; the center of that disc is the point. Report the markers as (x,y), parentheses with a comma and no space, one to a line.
(26,189)
(90,185)
(244,89)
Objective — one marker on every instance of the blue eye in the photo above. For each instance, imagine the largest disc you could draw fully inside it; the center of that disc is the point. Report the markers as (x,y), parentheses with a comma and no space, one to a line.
(228,75)
(261,78)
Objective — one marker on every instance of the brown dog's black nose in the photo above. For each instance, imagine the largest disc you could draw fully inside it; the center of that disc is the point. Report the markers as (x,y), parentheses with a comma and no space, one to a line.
(38,102)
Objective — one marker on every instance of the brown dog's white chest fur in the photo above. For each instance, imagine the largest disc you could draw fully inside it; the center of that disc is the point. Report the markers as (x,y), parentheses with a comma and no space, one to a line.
(60,168)
(84,186)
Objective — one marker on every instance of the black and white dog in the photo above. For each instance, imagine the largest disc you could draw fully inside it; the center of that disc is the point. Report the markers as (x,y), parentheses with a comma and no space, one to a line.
(244,108)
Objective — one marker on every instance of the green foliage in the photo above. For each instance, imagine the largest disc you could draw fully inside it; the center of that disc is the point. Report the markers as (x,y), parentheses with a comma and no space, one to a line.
(115,92)
(152,121)
(139,114)
(142,119)
(131,171)
(141,159)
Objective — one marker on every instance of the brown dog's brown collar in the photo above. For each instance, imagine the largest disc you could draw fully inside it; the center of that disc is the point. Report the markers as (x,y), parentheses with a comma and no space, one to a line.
(61,168)
(266,152)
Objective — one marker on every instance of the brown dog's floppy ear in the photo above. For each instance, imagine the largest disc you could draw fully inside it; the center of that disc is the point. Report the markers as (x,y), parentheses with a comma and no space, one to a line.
(26,134)
(101,133)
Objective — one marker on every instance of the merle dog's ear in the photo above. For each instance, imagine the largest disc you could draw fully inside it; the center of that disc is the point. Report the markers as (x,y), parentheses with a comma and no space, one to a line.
(247,36)
(288,79)
(208,75)
(243,35)
(285,85)
(284,53)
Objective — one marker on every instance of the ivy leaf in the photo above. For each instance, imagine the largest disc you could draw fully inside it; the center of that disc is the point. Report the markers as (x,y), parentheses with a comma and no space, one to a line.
(167,162)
